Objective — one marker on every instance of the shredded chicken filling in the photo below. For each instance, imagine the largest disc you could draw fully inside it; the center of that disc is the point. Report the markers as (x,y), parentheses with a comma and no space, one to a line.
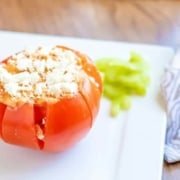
(41,75)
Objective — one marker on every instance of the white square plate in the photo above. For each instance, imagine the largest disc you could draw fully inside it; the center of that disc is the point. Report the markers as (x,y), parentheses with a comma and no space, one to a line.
(126,148)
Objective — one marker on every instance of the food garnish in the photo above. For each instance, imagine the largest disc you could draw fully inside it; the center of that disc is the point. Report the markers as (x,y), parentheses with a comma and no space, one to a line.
(123,79)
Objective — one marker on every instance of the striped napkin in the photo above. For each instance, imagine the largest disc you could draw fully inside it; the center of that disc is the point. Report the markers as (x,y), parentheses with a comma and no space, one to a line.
(171,93)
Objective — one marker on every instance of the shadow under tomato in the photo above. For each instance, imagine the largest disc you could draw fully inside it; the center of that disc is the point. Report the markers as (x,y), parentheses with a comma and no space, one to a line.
(16,160)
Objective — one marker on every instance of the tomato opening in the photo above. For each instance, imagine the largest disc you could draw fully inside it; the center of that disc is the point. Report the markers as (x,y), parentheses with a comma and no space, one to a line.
(39,120)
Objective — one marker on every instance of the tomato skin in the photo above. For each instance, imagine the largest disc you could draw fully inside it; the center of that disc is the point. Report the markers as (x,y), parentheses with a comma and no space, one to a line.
(18,126)
(91,70)
(92,96)
(67,122)
(2,111)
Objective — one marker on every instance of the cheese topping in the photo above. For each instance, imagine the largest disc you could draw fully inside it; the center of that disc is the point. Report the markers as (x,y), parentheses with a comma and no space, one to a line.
(40,75)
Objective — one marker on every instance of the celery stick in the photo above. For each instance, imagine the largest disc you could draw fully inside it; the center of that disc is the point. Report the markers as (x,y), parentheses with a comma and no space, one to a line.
(123,79)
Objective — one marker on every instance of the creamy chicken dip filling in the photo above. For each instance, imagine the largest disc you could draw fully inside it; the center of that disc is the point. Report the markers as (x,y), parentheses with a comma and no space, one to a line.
(40,75)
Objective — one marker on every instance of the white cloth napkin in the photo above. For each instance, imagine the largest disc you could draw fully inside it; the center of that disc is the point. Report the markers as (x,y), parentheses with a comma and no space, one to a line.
(171,92)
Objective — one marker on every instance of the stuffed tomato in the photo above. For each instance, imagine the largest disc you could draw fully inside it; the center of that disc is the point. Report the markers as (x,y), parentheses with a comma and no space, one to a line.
(49,98)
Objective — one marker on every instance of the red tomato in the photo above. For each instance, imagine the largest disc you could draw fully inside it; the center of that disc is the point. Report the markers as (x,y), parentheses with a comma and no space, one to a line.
(54,127)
